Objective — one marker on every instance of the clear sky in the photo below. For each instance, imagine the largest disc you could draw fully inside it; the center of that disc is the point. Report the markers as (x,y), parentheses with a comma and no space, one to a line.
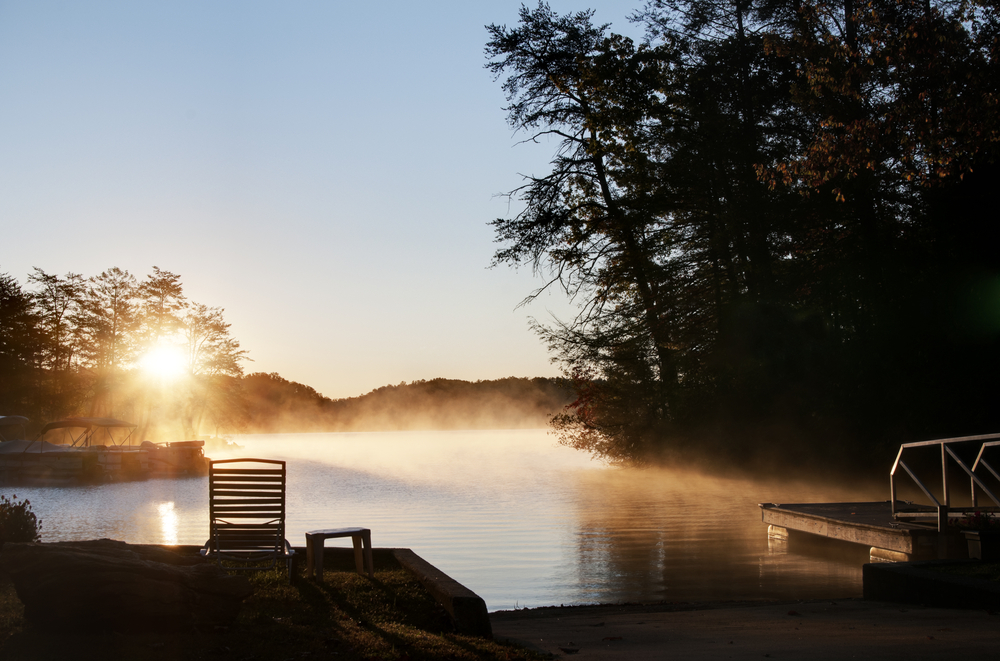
(325,171)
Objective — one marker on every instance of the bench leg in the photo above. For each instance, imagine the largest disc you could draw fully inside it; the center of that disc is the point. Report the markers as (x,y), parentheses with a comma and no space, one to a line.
(314,557)
(358,563)
(368,554)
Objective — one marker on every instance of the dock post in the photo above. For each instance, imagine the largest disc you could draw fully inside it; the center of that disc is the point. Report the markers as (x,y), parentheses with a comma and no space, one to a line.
(942,518)
(944,479)
(777,532)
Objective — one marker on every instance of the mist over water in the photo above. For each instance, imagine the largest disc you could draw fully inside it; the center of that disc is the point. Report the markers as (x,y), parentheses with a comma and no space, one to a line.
(517,518)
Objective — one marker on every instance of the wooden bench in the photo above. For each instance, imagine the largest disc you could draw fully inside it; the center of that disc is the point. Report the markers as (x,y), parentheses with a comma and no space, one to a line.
(359,537)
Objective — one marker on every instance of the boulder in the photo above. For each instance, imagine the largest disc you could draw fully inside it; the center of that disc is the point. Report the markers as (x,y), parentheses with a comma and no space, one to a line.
(110,585)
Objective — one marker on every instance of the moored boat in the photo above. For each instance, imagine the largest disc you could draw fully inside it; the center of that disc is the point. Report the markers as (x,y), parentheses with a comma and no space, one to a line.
(176,458)
(72,451)
(40,462)
(12,427)
(84,450)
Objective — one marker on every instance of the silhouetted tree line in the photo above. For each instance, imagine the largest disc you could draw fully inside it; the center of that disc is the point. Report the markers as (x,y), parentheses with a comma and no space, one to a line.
(778,219)
(278,405)
(76,346)
(115,346)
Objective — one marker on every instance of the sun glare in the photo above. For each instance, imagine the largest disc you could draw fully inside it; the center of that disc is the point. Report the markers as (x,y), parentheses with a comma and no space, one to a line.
(168,522)
(164,362)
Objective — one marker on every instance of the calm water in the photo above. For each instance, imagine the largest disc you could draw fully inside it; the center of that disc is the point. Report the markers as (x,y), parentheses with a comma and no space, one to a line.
(512,515)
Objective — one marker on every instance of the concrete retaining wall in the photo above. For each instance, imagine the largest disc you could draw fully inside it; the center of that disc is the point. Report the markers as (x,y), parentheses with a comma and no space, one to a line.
(917,583)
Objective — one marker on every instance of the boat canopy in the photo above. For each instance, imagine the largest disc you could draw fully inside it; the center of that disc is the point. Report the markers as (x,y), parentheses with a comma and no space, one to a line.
(8,421)
(86,423)
(92,427)
(20,446)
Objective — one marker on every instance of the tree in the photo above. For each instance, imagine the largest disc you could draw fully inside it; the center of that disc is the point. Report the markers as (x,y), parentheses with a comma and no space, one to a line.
(107,320)
(162,303)
(587,224)
(903,100)
(58,301)
(20,347)
(652,217)
(210,349)
(105,324)
(756,213)
(907,88)
(213,392)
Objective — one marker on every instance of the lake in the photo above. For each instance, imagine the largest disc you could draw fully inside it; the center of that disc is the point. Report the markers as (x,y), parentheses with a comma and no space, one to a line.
(517,518)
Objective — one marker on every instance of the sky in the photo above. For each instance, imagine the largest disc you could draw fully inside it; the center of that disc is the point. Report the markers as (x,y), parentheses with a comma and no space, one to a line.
(324,171)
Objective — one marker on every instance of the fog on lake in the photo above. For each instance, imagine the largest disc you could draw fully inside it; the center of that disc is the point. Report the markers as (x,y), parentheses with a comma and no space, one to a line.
(517,518)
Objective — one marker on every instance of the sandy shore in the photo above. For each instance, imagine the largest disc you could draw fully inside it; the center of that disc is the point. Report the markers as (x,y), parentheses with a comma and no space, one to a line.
(839,629)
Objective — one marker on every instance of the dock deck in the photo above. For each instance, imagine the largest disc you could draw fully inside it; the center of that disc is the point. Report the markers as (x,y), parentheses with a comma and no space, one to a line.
(868,523)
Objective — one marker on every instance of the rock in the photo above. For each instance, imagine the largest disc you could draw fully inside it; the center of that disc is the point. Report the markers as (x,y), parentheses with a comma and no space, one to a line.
(110,585)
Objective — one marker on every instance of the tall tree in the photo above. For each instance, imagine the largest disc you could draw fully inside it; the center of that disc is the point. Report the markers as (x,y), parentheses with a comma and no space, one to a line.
(210,349)
(107,318)
(587,224)
(903,96)
(58,300)
(213,393)
(652,216)
(20,348)
(162,303)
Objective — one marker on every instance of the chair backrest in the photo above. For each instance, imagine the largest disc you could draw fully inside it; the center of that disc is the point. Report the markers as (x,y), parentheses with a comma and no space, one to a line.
(246,502)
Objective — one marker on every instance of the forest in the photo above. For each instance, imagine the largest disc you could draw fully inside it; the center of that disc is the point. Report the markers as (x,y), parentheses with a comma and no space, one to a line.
(113,345)
(777,219)
(278,405)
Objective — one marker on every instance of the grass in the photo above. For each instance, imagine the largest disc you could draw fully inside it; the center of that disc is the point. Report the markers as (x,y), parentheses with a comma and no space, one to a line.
(345,616)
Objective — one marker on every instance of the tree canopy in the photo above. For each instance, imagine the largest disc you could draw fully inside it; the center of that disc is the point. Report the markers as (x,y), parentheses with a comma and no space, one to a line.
(101,346)
(770,214)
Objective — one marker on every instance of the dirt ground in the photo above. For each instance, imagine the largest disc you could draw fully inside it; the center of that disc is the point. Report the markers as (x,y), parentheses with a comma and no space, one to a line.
(812,630)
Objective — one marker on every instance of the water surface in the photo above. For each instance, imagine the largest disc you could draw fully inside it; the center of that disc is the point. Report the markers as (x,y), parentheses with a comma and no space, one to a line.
(517,518)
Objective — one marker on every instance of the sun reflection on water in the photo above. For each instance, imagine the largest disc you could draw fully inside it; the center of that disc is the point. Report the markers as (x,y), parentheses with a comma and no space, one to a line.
(168,522)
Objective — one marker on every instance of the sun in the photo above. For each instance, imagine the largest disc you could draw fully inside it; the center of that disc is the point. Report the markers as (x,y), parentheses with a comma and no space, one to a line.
(164,362)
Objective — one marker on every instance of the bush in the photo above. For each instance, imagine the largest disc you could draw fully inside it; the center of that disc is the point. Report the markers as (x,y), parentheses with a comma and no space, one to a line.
(979,521)
(17,522)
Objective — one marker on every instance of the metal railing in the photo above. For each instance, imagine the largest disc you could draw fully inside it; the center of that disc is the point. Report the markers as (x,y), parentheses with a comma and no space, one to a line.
(980,460)
(942,510)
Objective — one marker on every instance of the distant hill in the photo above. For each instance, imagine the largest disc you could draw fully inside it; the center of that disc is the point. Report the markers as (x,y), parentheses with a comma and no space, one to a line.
(277,405)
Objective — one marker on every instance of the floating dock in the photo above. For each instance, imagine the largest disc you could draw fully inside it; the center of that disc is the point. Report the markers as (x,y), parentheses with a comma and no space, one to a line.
(897,530)
(870,524)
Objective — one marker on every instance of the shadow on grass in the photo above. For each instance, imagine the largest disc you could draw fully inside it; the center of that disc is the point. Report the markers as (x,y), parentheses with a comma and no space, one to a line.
(345,616)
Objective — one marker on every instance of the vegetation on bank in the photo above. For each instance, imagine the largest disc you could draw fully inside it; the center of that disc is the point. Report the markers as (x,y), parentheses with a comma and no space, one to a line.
(346,616)
(17,522)
(778,220)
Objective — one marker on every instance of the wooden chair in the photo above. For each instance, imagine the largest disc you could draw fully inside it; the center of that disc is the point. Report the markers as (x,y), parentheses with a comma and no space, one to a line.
(246,504)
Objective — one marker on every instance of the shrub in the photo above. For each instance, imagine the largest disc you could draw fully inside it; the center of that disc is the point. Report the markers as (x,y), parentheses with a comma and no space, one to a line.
(17,522)
(979,521)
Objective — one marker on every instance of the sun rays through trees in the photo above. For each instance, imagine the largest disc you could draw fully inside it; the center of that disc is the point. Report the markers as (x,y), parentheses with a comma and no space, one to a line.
(116,346)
